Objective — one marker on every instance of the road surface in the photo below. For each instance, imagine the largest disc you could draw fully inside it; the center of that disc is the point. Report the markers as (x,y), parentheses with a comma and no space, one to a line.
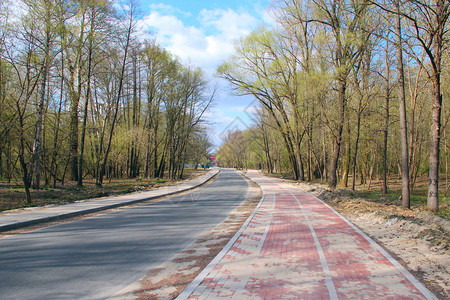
(93,258)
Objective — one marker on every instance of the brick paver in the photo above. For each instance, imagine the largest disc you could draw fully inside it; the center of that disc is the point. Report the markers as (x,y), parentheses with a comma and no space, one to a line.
(296,247)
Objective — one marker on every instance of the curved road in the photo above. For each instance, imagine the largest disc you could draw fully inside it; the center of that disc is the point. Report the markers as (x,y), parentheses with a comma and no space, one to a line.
(95,257)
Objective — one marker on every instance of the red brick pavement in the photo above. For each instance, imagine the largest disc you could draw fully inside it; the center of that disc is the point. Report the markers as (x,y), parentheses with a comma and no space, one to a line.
(296,247)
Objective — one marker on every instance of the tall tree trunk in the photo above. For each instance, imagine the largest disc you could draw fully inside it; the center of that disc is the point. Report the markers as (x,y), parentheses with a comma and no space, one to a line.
(36,156)
(384,187)
(433,187)
(332,179)
(355,154)
(83,129)
(325,154)
(25,175)
(446,160)
(99,180)
(73,128)
(155,150)
(402,109)
(86,104)
(346,165)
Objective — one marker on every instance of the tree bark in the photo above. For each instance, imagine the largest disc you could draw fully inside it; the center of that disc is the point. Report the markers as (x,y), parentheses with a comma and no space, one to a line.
(346,165)
(402,109)
(73,129)
(86,104)
(433,187)
(384,187)
(355,154)
(36,156)
(332,179)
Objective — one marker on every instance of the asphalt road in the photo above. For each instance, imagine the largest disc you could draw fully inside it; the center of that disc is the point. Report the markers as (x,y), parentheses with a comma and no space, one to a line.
(93,258)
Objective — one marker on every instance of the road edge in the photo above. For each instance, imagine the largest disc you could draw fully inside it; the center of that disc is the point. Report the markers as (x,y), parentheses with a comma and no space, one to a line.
(69,215)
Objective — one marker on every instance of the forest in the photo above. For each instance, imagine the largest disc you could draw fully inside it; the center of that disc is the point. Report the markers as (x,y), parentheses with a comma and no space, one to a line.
(84,94)
(348,91)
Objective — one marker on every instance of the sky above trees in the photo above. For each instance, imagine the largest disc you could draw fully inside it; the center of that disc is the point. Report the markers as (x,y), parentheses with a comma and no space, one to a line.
(203,33)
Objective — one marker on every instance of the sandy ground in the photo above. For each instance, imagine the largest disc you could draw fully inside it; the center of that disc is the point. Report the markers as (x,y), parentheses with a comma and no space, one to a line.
(419,239)
(168,280)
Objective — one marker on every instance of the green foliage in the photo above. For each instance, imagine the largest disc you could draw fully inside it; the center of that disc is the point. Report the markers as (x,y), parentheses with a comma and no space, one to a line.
(100,81)
(325,81)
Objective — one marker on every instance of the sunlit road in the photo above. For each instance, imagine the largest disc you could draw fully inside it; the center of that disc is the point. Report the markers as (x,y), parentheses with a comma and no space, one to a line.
(95,257)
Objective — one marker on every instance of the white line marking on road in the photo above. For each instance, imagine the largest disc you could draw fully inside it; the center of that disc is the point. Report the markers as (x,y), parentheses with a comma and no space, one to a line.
(263,238)
(323,261)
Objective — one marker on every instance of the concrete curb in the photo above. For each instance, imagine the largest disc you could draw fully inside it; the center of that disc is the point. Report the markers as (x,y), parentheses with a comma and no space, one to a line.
(84,211)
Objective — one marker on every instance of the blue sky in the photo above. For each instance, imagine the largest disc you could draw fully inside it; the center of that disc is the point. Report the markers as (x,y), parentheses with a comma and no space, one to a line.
(202,33)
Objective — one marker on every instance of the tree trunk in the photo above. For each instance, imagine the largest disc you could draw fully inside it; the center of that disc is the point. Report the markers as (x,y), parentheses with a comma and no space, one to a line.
(346,166)
(83,137)
(355,154)
(433,187)
(86,105)
(402,110)
(332,179)
(384,188)
(99,181)
(308,161)
(446,161)
(25,176)
(73,127)
(36,156)
(325,155)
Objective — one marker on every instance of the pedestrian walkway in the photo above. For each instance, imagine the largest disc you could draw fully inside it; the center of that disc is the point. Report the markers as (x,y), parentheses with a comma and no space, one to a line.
(294,246)
(9,221)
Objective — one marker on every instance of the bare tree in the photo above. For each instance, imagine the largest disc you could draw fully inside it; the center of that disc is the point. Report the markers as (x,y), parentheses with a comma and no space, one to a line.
(402,108)
(20,49)
(425,29)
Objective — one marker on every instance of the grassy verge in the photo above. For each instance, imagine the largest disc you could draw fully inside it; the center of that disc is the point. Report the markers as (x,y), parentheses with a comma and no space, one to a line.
(12,196)
(418,199)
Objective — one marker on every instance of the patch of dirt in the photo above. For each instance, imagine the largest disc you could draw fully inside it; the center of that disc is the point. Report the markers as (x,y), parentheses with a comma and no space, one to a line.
(417,238)
(171,278)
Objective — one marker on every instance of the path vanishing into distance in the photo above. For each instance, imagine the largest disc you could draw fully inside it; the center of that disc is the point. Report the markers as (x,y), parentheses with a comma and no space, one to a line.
(95,257)
(297,247)
(293,246)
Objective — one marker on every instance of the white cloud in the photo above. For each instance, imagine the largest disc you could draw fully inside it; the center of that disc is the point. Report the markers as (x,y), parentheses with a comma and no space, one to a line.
(208,44)
(229,23)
